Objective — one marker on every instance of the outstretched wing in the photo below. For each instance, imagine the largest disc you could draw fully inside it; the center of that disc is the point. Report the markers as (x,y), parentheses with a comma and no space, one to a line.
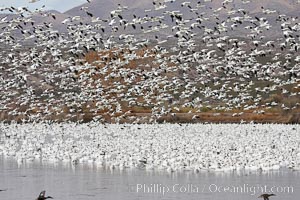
(42,194)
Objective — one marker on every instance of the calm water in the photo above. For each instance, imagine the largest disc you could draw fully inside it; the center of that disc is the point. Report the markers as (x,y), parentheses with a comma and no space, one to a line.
(68,182)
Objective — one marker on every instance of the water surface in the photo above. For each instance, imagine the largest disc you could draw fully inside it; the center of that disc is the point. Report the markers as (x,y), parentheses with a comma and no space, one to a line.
(82,182)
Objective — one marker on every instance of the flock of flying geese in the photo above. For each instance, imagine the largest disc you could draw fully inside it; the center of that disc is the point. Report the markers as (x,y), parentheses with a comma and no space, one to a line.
(163,60)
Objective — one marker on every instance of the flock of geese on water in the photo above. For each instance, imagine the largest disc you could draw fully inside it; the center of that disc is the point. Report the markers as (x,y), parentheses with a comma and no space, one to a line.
(194,148)
(166,147)
(163,60)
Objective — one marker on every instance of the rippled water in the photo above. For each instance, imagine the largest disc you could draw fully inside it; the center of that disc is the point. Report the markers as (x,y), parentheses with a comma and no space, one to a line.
(83,182)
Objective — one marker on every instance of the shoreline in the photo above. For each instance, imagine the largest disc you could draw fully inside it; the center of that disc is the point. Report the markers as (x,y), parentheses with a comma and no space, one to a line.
(96,166)
(145,118)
